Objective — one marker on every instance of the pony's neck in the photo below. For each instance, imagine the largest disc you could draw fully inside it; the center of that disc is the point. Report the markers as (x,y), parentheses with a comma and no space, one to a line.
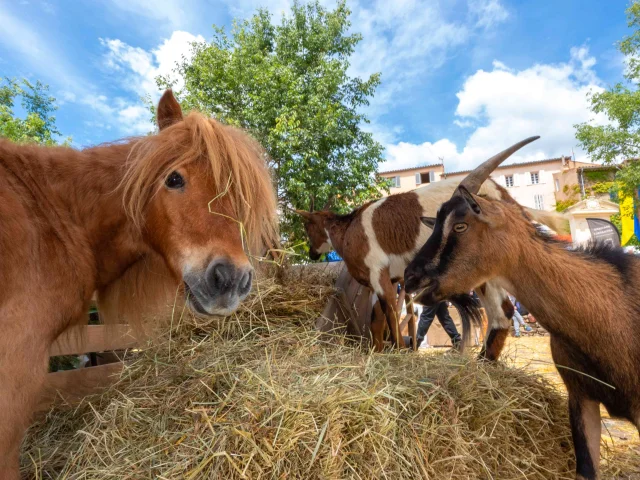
(115,241)
(79,193)
(558,286)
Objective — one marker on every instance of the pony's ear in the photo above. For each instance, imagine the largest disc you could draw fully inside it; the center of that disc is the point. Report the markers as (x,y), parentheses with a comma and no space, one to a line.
(169,111)
(303,213)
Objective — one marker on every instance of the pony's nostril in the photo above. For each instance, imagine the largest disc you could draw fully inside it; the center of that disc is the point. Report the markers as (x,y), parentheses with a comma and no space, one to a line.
(222,276)
(245,283)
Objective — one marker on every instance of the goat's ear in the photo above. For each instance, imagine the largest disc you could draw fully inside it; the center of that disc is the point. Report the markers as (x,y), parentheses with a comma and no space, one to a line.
(466,194)
(428,221)
(169,111)
(304,214)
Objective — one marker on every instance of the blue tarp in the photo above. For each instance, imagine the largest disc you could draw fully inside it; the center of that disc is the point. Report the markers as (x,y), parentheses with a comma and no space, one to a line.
(333,257)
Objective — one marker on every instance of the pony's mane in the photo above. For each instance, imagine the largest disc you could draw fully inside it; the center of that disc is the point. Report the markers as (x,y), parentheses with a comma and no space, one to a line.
(238,169)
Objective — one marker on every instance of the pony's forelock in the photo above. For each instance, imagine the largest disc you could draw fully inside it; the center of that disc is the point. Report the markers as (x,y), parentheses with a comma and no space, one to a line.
(237,165)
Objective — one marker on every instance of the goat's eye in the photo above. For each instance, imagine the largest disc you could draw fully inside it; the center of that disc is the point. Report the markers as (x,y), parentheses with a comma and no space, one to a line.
(174,181)
(460,227)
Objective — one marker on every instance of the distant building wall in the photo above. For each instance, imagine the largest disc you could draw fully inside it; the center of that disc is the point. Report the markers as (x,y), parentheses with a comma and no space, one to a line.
(538,184)
(411,178)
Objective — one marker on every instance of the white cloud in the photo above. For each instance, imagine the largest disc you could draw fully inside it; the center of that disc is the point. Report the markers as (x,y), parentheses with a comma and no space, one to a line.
(243,8)
(172,12)
(408,41)
(65,96)
(19,37)
(404,40)
(407,155)
(42,55)
(506,106)
(487,13)
(139,68)
(48,8)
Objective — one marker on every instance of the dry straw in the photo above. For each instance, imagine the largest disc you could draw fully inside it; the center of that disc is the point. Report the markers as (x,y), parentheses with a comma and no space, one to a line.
(262,395)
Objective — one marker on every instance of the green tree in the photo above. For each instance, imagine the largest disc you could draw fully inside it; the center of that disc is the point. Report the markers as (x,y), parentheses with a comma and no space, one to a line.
(39,124)
(620,139)
(288,85)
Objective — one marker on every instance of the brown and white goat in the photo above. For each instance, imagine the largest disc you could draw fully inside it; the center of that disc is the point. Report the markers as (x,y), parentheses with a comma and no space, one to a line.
(379,239)
(586,298)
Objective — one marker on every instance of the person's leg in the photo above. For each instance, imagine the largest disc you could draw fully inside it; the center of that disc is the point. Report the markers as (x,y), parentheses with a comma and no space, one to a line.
(518,317)
(426,319)
(516,325)
(447,323)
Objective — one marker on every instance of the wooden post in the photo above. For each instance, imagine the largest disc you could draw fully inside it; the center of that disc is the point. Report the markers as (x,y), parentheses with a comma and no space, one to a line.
(350,308)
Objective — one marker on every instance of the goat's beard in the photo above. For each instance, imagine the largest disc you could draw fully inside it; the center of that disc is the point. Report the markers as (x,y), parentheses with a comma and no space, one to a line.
(470,313)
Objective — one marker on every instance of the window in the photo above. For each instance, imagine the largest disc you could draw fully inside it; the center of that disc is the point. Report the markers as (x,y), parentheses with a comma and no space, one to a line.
(395,181)
(508,180)
(538,201)
(425,177)
(557,185)
(535,178)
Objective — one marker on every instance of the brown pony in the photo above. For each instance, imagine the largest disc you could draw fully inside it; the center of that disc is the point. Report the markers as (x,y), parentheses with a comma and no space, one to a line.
(132,220)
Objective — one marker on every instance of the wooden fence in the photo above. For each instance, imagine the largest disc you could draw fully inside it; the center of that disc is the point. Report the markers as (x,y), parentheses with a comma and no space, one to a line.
(71,386)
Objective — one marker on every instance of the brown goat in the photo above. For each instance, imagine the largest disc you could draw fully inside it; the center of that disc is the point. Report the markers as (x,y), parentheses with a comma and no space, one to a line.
(587,298)
(379,239)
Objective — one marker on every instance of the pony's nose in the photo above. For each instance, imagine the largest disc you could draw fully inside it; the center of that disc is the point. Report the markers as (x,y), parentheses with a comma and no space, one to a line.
(225,278)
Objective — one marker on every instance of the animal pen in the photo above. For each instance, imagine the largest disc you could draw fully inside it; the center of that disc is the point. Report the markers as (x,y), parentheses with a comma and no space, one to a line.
(264,394)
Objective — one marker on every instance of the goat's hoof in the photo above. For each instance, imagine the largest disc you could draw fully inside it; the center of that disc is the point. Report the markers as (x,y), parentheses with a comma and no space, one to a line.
(483,357)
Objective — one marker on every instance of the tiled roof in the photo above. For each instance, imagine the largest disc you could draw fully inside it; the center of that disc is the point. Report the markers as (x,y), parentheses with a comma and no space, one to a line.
(523,164)
(412,168)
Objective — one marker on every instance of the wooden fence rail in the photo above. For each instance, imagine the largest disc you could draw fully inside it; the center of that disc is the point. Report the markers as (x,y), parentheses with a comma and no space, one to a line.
(71,386)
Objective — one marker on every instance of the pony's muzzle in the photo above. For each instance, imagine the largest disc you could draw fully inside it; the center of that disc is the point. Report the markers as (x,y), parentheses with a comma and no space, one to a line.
(220,289)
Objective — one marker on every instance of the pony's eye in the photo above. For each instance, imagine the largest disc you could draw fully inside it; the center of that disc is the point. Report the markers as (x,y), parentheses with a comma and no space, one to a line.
(174,181)
(460,227)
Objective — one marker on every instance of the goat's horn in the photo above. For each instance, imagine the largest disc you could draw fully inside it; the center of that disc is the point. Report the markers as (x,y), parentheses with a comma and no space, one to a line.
(477,177)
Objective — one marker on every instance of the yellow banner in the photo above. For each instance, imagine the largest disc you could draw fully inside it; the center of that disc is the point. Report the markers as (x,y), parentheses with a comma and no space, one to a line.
(626,217)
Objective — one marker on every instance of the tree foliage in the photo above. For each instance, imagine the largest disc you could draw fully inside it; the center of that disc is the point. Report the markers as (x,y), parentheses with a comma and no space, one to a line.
(620,139)
(38,124)
(288,84)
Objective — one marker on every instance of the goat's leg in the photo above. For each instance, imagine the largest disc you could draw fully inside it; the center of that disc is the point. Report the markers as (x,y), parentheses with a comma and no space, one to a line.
(499,314)
(378,325)
(586,427)
(388,301)
(412,322)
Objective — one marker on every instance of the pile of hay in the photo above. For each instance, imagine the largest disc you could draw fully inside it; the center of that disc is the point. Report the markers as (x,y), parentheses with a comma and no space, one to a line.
(262,395)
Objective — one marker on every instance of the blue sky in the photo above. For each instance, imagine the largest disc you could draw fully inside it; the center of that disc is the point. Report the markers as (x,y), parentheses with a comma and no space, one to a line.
(460,79)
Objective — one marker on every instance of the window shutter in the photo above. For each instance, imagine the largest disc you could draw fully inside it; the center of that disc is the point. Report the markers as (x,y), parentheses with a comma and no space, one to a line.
(527,178)
(432,176)
(502,181)
(542,178)
(418,179)
(516,178)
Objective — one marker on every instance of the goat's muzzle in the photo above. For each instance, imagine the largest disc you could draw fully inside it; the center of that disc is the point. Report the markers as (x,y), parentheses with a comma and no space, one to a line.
(423,287)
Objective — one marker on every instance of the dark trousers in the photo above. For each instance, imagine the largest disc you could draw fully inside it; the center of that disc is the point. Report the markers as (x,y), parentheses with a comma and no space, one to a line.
(426,319)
